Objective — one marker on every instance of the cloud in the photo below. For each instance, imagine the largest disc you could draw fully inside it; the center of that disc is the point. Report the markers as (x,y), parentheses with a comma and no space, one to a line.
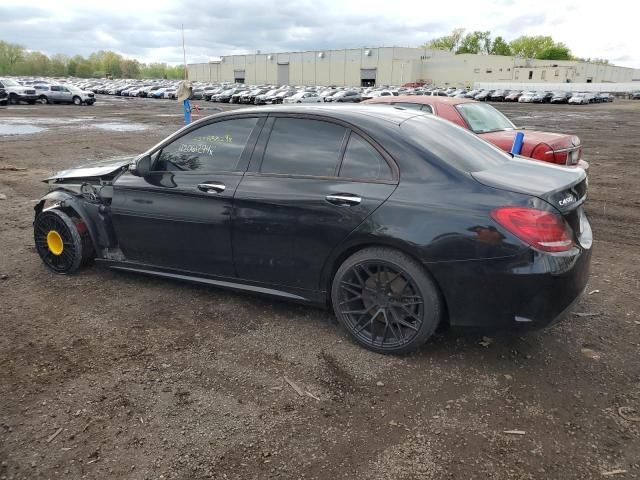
(151,31)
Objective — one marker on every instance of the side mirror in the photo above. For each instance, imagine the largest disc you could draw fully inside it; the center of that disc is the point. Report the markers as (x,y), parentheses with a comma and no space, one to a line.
(141,167)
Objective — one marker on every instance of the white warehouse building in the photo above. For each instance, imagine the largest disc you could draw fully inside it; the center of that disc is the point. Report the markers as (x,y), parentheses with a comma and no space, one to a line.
(397,66)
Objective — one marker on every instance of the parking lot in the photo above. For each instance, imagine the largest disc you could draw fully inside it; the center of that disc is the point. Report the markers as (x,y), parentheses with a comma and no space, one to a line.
(107,374)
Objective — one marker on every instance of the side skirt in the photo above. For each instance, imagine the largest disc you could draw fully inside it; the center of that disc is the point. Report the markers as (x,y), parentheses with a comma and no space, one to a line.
(306,297)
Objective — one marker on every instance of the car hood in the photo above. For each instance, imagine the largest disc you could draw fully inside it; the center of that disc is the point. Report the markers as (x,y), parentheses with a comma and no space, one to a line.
(504,140)
(95,169)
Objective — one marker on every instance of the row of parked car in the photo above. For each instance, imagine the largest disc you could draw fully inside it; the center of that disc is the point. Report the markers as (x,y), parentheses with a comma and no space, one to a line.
(81,91)
(524,96)
(43,91)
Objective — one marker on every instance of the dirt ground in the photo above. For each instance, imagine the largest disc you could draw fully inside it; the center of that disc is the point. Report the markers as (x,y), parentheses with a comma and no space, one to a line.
(144,378)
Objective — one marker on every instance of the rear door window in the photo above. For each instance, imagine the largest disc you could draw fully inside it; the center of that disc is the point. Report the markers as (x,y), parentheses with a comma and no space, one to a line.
(300,146)
(363,161)
(456,146)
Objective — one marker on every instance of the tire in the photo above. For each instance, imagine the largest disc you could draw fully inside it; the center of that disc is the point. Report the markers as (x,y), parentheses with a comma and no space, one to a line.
(77,101)
(43,99)
(62,242)
(13,99)
(378,292)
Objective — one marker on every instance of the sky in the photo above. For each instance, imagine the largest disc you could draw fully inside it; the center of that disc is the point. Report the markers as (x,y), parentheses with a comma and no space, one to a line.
(151,31)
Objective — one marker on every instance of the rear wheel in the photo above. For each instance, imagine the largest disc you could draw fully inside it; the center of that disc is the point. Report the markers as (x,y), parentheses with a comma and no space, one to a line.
(43,99)
(386,300)
(77,101)
(62,242)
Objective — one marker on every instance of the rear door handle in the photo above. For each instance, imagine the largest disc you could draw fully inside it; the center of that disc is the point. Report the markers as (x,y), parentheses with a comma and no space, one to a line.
(344,199)
(211,187)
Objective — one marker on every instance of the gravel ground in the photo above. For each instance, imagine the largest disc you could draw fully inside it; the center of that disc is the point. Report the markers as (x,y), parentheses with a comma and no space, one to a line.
(112,375)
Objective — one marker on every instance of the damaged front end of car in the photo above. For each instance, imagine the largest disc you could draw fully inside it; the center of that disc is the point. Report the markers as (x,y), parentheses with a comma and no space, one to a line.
(82,198)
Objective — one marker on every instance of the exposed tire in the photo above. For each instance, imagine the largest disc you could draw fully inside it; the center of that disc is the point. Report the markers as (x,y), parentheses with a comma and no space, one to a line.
(77,101)
(43,99)
(62,242)
(386,300)
(13,99)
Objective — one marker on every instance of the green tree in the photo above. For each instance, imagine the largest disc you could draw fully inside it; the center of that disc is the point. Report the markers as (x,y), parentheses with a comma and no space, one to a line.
(58,65)
(84,69)
(475,42)
(449,42)
(530,47)
(599,61)
(32,63)
(500,47)
(130,68)
(557,52)
(10,54)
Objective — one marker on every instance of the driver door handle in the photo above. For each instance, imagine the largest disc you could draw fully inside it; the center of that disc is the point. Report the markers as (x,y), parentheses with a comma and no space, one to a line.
(211,187)
(344,199)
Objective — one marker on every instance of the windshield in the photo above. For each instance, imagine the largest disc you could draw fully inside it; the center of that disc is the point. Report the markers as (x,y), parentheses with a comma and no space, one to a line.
(453,145)
(483,118)
(10,83)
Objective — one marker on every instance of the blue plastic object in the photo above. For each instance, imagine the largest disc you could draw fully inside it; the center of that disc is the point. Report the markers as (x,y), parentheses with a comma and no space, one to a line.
(187,112)
(516,148)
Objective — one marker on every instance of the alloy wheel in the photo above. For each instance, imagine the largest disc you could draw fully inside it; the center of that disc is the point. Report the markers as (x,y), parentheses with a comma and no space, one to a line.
(380,304)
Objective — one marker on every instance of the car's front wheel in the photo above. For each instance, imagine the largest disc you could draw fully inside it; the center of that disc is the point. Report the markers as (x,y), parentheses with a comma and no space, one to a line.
(386,300)
(62,242)
(77,101)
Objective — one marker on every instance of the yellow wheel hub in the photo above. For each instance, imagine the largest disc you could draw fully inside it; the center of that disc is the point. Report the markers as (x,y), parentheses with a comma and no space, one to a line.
(54,242)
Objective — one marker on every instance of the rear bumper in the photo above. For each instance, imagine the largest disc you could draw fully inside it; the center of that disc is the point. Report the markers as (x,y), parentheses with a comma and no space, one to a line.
(529,291)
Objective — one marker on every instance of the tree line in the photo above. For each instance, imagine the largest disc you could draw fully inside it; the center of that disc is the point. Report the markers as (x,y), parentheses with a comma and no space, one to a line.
(17,60)
(478,42)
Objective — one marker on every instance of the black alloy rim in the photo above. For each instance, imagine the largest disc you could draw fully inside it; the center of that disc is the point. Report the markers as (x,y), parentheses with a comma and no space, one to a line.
(381,304)
(48,223)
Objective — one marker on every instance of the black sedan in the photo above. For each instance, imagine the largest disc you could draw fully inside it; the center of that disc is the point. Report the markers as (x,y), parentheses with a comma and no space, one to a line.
(396,220)
(561,97)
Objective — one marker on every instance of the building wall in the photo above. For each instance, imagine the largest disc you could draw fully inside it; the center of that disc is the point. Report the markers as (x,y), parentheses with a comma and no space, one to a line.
(398,65)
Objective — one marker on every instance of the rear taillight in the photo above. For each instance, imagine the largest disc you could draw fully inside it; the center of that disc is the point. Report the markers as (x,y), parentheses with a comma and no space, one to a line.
(560,157)
(542,230)
(545,153)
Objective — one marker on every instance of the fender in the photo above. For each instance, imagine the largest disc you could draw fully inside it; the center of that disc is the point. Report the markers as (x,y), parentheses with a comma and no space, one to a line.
(96,217)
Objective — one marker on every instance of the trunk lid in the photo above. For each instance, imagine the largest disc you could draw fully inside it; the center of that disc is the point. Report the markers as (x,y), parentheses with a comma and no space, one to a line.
(563,188)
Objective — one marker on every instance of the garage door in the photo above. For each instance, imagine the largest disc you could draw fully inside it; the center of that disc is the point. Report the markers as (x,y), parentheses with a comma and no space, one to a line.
(368,77)
(238,76)
(283,74)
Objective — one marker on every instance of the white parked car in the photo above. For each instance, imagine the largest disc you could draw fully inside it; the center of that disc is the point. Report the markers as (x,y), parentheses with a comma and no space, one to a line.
(304,97)
(527,97)
(17,92)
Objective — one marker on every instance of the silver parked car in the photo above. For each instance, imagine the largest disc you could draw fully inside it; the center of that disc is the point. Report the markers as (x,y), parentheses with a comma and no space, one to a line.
(66,94)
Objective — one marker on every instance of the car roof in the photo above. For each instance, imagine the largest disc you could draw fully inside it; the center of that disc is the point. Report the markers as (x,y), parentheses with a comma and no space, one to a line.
(421,99)
(347,113)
